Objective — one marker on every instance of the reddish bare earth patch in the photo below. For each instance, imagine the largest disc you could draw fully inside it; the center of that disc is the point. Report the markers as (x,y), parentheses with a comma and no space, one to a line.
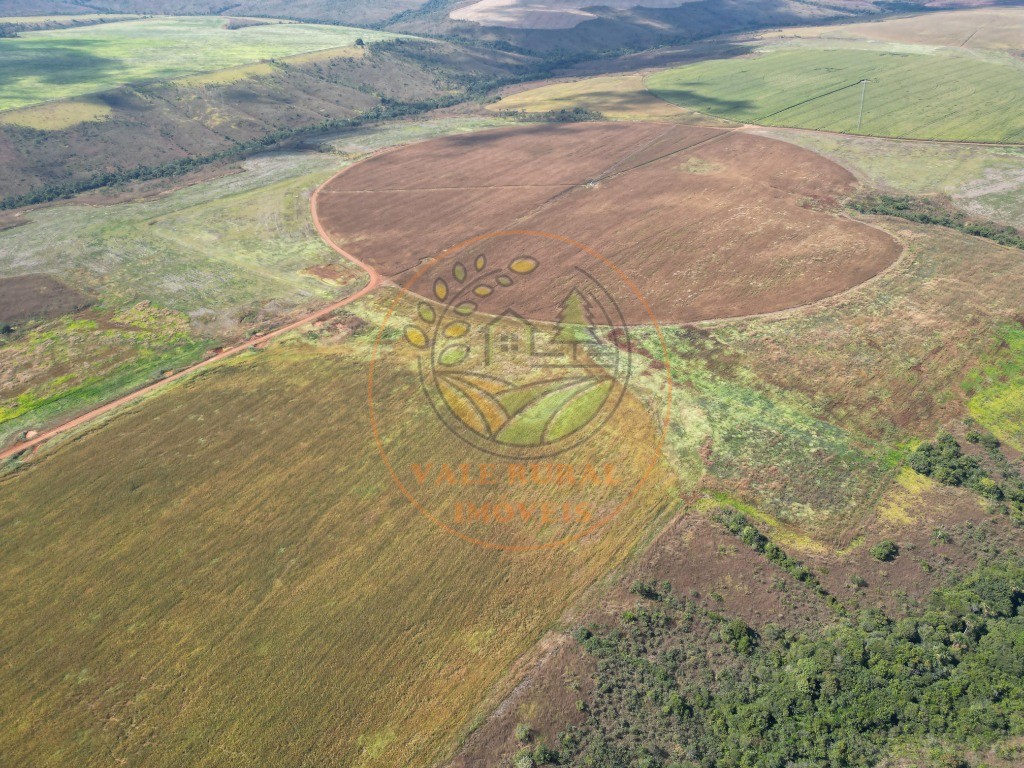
(707,223)
(329,273)
(28,297)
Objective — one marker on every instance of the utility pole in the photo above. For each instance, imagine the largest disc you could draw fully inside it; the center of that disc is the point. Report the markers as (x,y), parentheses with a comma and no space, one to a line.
(863,93)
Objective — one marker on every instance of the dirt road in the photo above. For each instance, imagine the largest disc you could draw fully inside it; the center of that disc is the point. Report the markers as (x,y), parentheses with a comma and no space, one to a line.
(374,281)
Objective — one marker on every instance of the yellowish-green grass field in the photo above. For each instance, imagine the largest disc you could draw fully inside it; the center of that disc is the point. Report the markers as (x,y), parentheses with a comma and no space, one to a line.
(58,115)
(62,63)
(227,574)
(262,68)
(617,97)
(997,387)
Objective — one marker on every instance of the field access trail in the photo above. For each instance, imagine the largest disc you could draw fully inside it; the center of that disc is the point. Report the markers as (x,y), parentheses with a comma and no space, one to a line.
(375,279)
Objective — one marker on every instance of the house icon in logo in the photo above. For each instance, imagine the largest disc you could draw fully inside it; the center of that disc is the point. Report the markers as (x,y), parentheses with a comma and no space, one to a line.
(511,337)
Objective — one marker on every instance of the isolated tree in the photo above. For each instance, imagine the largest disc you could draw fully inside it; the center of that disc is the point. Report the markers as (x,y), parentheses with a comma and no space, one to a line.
(885,551)
(574,324)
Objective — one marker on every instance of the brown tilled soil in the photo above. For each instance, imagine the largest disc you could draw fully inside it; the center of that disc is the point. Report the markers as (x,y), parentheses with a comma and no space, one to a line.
(707,223)
(329,273)
(29,297)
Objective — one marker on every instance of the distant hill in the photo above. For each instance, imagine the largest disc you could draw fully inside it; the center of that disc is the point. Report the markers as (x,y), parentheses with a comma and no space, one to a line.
(580,27)
(357,12)
(537,25)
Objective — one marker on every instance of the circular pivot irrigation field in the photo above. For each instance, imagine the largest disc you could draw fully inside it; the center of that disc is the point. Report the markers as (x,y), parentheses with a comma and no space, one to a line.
(705,223)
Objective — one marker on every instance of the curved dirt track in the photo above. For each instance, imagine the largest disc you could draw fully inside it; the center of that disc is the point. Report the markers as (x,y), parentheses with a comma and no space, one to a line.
(708,223)
(375,280)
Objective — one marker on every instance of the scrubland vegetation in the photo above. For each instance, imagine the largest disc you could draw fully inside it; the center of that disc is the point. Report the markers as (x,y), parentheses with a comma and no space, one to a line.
(680,686)
(930,211)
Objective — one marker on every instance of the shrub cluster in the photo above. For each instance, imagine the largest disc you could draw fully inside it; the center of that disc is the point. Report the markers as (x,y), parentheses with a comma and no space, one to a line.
(945,462)
(885,551)
(927,211)
(574,115)
(738,524)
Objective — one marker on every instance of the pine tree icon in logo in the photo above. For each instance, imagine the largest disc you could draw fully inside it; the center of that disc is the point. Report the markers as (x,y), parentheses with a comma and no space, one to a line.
(575,324)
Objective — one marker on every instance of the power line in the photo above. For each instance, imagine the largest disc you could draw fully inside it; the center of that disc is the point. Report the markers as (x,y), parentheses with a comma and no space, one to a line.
(805,101)
(863,93)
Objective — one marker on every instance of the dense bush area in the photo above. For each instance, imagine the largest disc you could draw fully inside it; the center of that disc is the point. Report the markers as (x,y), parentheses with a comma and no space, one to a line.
(677,686)
(927,211)
(574,115)
(945,462)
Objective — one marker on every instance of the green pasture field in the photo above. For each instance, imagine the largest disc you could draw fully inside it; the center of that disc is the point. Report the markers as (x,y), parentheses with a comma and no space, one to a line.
(55,64)
(908,95)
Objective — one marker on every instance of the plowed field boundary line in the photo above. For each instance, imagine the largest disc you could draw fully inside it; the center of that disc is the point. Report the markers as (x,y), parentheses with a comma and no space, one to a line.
(454,187)
(724,134)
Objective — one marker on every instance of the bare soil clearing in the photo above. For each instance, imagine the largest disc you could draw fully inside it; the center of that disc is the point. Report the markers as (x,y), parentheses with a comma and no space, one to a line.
(28,297)
(706,223)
